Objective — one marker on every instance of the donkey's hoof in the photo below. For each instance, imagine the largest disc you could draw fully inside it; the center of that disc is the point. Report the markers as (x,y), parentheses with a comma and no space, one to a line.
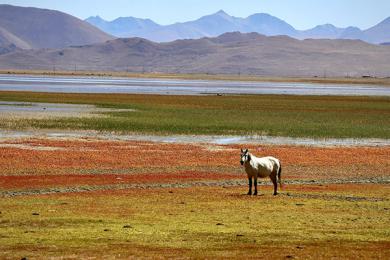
(275,193)
(249,193)
(255,193)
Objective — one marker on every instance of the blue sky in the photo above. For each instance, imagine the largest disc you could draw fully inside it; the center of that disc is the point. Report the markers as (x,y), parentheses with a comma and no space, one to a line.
(302,14)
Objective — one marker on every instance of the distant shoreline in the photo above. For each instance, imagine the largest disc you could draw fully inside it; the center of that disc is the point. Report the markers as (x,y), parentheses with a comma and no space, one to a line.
(322,80)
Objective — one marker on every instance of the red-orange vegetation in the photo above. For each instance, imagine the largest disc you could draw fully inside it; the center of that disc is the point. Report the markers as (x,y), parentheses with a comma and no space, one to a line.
(100,162)
(45,181)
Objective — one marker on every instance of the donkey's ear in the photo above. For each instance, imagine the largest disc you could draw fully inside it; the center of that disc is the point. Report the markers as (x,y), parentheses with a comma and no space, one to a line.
(242,151)
(246,150)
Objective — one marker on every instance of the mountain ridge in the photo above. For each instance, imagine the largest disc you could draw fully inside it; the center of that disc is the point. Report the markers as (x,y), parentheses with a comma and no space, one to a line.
(229,53)
(220,22)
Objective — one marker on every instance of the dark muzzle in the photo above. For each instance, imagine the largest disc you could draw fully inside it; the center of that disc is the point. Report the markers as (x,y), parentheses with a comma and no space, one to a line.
(242,162)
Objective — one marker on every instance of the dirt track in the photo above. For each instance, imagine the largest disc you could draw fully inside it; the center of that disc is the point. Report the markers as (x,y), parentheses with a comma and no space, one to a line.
(191,184)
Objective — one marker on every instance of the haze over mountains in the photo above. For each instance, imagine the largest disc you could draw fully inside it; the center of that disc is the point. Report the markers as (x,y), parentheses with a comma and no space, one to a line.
(230,53)
(28,28)
(216,24)
(40,39)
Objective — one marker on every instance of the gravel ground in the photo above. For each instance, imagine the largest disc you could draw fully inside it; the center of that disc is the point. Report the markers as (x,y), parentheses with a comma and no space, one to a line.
(228,183)
(20,110)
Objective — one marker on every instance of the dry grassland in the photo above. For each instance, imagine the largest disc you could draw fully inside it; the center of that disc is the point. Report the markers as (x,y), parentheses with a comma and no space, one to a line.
(88,198)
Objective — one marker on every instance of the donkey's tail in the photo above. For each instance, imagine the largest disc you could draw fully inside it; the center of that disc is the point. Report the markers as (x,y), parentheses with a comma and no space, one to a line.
(280,175)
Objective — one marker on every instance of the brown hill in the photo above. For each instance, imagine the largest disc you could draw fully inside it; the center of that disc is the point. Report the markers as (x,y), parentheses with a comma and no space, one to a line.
(27,27)
(231,53)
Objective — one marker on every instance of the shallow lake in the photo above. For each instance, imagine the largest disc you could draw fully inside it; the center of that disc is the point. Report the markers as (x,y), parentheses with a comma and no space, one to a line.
(179,87)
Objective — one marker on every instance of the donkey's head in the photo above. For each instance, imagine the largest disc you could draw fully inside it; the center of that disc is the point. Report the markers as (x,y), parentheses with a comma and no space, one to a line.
(245,156)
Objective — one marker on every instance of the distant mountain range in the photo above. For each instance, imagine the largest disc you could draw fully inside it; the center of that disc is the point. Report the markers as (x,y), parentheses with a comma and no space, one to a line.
(40,39)
(216,24)
(28,28)
(230,53)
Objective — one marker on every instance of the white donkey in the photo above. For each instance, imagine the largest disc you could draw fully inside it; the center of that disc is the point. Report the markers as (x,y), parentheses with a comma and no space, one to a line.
(261,167)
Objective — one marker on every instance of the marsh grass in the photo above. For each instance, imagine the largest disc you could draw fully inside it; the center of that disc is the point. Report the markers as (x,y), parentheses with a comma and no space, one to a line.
(274,115)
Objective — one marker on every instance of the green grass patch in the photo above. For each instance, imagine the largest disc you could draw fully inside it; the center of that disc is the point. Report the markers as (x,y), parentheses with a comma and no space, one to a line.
(274,115)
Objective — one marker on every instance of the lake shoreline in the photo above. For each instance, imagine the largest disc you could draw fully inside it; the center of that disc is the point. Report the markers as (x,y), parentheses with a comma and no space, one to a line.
(323,80)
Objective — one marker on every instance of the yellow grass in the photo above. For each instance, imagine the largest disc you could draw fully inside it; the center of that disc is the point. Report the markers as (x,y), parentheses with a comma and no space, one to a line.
(200,223)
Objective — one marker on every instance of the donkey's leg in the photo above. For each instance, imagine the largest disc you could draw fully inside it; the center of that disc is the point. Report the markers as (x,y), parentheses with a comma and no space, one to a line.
(250,185)
(255,185)
(274,181)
